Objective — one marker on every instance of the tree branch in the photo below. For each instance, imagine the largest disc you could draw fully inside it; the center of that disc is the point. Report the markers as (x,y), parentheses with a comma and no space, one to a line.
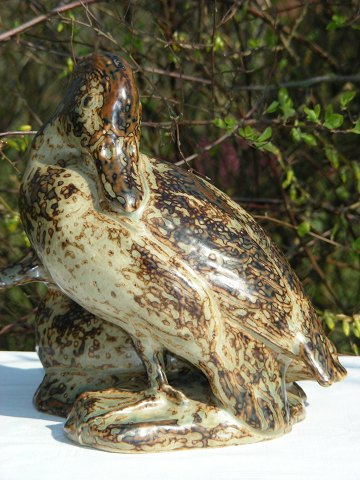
(307,82)
(4,37)
(285,29)
(17,132)
(208,147)
(160,71)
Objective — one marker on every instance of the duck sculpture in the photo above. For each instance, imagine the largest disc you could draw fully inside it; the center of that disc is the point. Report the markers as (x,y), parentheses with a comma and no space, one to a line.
(214,312)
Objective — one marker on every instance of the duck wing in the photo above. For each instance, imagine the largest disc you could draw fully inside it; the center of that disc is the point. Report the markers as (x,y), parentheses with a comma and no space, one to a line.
(252,281)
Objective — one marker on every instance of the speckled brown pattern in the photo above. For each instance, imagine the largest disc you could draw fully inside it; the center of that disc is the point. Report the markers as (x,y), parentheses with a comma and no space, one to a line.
(80,353)
(178,266)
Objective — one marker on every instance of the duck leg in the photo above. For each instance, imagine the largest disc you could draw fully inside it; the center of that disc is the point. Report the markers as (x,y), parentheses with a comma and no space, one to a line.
(247,401)
(158,418)
(152,356)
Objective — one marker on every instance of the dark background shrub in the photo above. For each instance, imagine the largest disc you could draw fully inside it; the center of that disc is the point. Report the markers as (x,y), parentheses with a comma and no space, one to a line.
(260,96)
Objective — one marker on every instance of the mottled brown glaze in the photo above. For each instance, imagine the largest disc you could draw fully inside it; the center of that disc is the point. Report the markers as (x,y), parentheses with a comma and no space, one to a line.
(80,353)
(102,108)
(174,263)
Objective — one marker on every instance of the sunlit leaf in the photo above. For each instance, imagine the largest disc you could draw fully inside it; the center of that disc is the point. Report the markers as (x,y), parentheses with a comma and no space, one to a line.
(25,128)
(333,156)
(346,98)
(267,133)
(303,228)
(272,107)
(332,120)
(356,128)
(337,21)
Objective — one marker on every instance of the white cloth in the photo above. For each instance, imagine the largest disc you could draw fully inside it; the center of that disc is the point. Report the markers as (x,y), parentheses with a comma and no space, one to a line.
(326,445)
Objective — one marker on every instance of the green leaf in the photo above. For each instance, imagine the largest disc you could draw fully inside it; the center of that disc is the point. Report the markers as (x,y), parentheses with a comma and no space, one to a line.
(356,128)
(303,229)
(313,115)
(355,348)
(309,139)
(270,147)
(271,38)
(219,43)
(25,128)
(296,134)
(272,107)
(329,320)
(356,244)
(342,193)
(286,104)
(283,95)
(60,27)
(18,296)
(332,120)
(13,144)
(346,328)
(346,98)
(259,140)
(219,122)
(293,193)
(12,222)
(356,332)
(356,167)
(70,64)
(337,21)
(248,133)
(290,175)
(137,43)
(254,43)
(68,68)
(344,174)
(283,64)
(228,122)
(267,133)
(333,156)
(26,240)
(357,321)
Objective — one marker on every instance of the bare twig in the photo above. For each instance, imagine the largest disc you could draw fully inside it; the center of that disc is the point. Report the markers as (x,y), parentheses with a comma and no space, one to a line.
(307,82)
(315,265)
(160,71)
(188,123)
(230,13)
(17,132)
(285,29)
(4,37)
(293,227)
(208,147)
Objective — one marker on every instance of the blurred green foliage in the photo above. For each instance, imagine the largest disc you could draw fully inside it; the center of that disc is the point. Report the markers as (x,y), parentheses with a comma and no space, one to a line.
(260,96)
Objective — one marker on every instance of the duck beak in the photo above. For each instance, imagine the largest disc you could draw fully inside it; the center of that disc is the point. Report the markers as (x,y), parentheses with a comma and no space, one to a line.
(117,162)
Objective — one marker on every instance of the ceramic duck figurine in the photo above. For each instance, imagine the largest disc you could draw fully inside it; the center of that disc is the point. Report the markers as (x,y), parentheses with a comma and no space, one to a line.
(178,266)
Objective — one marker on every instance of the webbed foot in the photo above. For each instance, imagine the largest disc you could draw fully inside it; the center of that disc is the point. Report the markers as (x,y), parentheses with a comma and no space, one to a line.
(154,420)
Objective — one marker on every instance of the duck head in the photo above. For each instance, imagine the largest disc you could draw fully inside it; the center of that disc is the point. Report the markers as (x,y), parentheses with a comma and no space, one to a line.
(101,115)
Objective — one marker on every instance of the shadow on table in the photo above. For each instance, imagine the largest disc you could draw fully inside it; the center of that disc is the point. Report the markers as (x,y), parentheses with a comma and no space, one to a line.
(18,386)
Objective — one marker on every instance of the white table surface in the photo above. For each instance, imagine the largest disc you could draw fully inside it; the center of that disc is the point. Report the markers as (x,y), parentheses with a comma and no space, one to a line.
(326,445)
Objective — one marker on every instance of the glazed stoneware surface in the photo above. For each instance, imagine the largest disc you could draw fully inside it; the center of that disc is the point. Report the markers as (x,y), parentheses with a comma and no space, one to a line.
(168,307)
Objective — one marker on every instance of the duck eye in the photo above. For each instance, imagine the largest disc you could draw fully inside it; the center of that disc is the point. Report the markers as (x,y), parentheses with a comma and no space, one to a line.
(87,99)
